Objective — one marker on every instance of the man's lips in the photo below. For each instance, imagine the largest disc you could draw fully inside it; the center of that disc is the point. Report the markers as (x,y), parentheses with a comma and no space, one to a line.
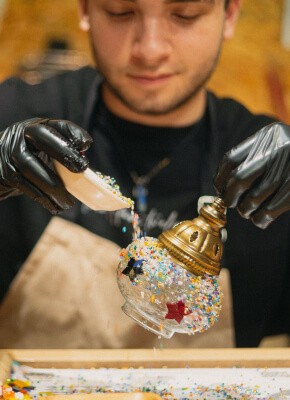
(151,79)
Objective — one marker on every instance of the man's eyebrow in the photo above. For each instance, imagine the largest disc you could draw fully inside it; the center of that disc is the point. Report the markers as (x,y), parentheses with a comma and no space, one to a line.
(179,1)
(190,1)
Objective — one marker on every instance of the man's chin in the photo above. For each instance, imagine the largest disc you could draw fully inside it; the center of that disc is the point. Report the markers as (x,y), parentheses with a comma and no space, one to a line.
(151,109)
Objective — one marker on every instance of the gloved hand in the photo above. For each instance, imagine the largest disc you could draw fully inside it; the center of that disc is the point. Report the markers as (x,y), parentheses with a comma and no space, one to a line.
(254,176)
(26,152)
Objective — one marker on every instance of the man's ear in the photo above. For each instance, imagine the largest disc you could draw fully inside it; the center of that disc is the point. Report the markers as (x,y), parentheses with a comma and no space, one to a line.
(232,13)
(84,18)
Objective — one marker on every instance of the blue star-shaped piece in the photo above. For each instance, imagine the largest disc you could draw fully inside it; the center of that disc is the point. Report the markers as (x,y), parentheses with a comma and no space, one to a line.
(134,268)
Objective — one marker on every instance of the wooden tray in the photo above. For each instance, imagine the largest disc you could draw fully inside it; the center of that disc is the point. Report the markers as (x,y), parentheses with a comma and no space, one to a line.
(148,358)
(136,358)
(106,396)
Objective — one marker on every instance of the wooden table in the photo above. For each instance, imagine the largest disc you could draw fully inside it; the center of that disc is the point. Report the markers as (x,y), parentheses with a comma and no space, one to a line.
(155,358)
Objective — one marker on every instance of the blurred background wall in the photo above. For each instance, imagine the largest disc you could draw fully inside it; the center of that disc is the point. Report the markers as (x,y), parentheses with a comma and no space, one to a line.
(254,66)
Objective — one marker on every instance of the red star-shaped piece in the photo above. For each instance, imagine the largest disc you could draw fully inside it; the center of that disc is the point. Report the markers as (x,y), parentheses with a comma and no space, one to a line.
(177,311)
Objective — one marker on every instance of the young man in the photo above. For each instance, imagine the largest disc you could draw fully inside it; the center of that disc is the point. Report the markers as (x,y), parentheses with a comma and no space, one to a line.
(156,128)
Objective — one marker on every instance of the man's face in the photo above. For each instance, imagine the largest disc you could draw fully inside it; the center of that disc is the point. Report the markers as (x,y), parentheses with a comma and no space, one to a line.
(155,55)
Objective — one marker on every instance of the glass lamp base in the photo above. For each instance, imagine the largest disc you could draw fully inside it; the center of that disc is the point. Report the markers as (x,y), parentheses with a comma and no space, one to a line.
(147,322)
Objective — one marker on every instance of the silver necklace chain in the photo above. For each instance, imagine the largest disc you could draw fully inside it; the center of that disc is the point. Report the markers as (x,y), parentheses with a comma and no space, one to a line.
(140,189)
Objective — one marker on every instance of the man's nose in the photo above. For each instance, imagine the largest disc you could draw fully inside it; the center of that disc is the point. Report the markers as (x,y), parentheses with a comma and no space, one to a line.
(151,43)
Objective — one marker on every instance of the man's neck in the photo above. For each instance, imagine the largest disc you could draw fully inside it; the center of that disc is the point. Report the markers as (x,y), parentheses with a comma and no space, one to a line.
(185,115)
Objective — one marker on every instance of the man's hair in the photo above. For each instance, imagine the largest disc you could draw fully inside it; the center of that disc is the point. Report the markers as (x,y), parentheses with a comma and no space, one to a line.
(227,3)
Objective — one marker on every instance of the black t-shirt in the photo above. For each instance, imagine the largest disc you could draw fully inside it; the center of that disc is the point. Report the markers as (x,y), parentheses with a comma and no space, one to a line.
(173,191)
(123,147)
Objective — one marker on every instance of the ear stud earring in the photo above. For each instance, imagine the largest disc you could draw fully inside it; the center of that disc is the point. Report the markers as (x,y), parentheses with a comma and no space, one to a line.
(85,23)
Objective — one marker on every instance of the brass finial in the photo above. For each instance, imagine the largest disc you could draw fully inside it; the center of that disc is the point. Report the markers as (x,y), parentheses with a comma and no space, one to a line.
(196,245)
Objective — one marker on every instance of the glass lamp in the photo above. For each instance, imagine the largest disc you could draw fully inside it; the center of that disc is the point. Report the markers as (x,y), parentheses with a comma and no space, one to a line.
(170,283)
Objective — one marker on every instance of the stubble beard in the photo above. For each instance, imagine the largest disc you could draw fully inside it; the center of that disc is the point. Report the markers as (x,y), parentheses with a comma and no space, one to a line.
(151,106)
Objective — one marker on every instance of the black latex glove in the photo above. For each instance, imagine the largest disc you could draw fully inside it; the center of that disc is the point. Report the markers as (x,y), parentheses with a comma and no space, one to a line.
(254,176)
(26,150)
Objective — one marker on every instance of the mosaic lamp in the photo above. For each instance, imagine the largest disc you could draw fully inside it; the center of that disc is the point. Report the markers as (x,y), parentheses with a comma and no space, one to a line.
(170,283)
